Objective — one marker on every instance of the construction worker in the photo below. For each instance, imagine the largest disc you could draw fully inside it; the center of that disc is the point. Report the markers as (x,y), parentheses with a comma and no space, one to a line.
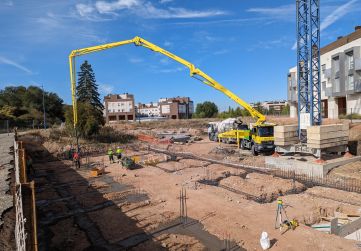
(76,159)
(110,154)
(118,152)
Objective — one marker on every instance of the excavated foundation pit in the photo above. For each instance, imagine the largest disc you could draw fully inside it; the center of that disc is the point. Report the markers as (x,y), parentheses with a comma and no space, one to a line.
(256,187)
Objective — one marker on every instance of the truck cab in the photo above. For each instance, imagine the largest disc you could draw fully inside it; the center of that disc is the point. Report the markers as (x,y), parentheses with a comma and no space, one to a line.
(262,139)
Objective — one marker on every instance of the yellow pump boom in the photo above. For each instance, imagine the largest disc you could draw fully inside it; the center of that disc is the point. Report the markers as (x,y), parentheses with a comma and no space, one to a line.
(194,72)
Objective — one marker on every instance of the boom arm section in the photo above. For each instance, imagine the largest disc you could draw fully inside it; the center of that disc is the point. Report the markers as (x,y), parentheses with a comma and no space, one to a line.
(194,72)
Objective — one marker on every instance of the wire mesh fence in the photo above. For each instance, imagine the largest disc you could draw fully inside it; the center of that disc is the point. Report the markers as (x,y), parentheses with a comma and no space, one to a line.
(310,180)
(7,126)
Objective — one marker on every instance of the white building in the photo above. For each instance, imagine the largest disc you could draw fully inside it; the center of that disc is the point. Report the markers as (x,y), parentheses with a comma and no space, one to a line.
(119,107)
(340,78)
(148,110)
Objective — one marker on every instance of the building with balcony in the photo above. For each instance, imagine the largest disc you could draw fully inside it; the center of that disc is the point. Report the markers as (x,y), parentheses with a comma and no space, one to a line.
(176,108)
(119,107)
(271,106)
(340,68)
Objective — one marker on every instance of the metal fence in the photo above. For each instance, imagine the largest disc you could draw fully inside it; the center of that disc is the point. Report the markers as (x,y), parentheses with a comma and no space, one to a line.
(310,180)
(7,126)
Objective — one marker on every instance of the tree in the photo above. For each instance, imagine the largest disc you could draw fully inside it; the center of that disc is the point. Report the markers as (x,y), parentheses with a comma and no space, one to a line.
(286,110)
(26,103)
(87,88)
(89,120)
(206,109)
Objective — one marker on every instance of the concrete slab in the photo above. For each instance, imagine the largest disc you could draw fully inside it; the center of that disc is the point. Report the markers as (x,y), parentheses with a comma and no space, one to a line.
(308,166)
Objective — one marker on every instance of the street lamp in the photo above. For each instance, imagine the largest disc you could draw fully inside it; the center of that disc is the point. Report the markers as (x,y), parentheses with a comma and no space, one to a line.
(42,86)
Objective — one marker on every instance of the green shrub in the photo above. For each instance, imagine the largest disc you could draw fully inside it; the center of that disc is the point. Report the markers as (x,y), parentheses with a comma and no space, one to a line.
(109,135)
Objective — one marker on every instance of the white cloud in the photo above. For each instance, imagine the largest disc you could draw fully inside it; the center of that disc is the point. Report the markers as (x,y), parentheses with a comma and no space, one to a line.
(111,7)
(280,12)
(135,60)
(334,16)
(84,9)
(141,8)
(337,14)
(168,44)
(6,61)
(106,89)
(271,44)
(9,3)
(221,52)
(165,1)
(171,70)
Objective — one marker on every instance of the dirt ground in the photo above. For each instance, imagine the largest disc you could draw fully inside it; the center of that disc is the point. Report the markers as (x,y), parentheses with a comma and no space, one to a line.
(130,209)
(140,209)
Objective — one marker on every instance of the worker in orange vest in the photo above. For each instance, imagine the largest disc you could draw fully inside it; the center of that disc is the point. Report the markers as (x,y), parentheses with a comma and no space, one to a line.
(76,159)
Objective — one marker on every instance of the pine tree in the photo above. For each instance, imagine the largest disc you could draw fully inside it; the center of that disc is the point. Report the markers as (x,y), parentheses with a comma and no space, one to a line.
(87,89)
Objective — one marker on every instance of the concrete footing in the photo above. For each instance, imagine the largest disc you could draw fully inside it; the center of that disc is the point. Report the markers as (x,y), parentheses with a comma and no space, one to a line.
(307,165)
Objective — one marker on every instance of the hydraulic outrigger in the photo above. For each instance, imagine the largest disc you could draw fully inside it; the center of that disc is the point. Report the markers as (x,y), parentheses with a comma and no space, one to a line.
(254,137)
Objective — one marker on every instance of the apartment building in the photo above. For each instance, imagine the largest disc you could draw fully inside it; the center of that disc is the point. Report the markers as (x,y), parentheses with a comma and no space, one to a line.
(119,107)
(275,105)
(340,77)
(176,108)
(148,110)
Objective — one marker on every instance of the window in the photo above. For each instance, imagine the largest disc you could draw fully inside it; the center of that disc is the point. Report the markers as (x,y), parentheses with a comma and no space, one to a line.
(350,84)
(323,85)
(336,87)
(336,63)
(349,60)
(323,68)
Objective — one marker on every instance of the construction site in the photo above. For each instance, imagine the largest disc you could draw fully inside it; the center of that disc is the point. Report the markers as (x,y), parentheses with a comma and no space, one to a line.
(254,182)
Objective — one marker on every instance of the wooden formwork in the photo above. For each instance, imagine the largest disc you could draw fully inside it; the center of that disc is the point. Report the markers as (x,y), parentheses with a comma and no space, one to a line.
(27,197)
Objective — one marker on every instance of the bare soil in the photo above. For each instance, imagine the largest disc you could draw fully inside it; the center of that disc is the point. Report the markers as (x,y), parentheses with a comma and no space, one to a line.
(129,208)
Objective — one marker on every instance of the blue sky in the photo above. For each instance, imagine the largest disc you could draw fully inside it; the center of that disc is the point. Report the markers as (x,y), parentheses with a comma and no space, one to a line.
(246,45)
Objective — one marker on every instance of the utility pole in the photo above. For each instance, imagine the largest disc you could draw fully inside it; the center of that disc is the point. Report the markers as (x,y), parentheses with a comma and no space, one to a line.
(42,86)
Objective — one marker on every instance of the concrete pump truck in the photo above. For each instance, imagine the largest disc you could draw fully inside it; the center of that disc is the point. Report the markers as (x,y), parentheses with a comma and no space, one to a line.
(258,137)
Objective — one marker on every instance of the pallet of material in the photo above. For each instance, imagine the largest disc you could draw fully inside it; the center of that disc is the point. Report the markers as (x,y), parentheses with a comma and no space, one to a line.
(326,136)
(326,141)
(286,135)
(286,142)
(327,128)
(286,128)
(330,135)
(321,146)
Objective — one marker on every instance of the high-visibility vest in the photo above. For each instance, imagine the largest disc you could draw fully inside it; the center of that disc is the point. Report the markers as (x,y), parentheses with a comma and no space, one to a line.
(119,151)
(110,152)
(76,156)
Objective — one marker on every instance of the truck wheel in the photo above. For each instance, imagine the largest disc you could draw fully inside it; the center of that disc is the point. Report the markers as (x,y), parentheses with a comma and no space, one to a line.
(253,149)
(243,147)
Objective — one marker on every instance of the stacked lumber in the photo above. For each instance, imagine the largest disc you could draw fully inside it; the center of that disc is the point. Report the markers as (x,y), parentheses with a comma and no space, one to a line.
(325,136)
(286,135)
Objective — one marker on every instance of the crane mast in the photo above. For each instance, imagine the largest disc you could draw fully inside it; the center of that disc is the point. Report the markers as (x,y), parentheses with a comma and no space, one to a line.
(308,65)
